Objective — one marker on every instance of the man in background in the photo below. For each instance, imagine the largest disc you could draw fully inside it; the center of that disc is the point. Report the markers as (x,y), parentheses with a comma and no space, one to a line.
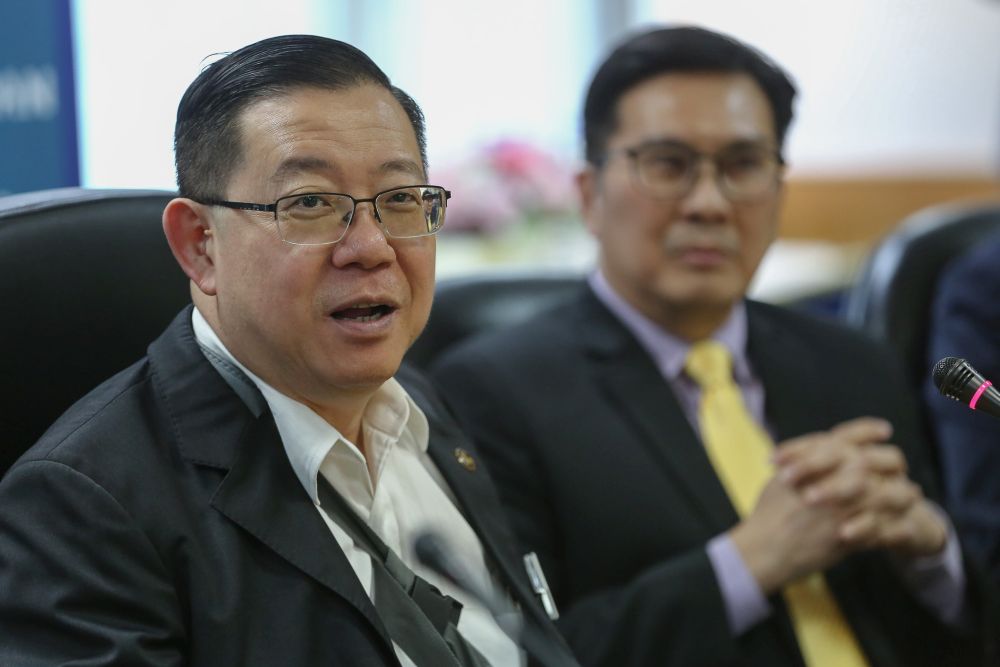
(632,430)
(249,493)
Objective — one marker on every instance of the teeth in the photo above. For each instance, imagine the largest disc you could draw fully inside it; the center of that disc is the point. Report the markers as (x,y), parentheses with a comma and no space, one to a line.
(369,312)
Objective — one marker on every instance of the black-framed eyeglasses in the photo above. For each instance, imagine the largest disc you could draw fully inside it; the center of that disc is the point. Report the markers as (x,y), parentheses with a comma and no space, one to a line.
(322,218)
(670,169)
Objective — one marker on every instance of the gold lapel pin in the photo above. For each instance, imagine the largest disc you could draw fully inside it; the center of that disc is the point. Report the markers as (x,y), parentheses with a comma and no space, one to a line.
(465,459)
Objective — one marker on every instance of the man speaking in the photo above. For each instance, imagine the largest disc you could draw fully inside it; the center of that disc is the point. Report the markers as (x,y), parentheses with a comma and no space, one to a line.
(249,492)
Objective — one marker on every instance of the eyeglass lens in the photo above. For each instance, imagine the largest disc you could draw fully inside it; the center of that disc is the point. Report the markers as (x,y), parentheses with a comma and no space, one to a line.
(671,169)
(320,218)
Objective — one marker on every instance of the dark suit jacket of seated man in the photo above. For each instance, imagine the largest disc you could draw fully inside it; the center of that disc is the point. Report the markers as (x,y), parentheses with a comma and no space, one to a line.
(177,514)
(591,424)
(965,321)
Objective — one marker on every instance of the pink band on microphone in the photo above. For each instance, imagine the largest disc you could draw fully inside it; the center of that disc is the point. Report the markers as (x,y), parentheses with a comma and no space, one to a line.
(979,392)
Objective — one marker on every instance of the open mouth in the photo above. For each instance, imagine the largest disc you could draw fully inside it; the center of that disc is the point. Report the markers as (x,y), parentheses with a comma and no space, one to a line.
(365,312)
(702,254)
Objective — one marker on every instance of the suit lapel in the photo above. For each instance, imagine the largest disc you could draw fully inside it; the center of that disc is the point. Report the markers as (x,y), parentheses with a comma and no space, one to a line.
(260,493)
(461,466)
(794,402)
(633,385)
(478,501)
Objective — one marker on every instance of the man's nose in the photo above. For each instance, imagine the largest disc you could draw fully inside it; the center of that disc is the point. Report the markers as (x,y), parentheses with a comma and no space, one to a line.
(706,201)
(365,243)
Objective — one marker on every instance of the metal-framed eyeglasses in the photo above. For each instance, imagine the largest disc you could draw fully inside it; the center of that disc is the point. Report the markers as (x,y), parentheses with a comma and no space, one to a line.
(670,169)
(322,218)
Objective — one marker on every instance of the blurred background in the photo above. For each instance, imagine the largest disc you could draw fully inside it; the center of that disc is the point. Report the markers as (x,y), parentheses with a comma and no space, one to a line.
(899,106)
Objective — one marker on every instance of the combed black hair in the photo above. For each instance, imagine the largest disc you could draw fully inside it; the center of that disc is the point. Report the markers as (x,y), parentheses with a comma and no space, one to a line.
(680,49)
(207,141)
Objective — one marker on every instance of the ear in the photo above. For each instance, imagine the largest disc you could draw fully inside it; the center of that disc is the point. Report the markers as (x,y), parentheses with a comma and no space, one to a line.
(192,240)
(587,185)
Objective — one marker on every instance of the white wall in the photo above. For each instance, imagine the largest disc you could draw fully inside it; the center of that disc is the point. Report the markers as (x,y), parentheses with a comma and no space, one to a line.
(135,58)
(907,86)
(515,68)
(481,71)
(901,85)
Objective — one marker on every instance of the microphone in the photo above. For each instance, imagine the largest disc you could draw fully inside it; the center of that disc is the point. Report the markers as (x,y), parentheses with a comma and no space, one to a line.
(432,551)
(957,379)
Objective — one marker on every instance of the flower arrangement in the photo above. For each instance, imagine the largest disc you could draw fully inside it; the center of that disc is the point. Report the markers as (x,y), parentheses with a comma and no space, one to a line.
(507,183)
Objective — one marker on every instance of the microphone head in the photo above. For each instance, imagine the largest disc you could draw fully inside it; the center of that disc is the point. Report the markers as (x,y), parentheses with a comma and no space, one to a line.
(429,550)
(433,552)
(941,370)
(957,379)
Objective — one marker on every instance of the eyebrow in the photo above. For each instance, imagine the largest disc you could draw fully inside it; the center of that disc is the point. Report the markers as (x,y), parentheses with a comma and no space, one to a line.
(740,142)
(402,165)
(298,165)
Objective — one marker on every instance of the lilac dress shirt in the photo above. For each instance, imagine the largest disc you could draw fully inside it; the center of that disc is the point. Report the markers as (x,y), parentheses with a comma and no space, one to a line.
(938,581)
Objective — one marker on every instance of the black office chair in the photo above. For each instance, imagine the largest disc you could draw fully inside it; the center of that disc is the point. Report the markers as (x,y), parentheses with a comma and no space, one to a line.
(891,298)
(87,281)
(466,306)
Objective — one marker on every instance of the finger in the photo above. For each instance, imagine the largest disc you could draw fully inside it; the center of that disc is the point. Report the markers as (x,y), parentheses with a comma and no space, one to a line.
(864,430)
(924,532)
(895,496)
(823,457)
(885,460)
(855,489)
(902,523)
(897,535)
(848,487)
(789,451)
(861,531)
(866,475)
(872,531)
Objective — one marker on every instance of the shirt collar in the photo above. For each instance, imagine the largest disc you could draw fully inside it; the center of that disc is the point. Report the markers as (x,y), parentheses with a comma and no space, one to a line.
(668,351)
(307,437)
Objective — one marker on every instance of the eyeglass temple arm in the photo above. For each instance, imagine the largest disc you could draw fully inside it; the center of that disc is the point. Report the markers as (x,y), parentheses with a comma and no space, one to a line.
(242,205)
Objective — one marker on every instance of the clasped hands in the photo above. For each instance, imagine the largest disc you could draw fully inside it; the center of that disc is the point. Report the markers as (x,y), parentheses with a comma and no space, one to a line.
(833,493)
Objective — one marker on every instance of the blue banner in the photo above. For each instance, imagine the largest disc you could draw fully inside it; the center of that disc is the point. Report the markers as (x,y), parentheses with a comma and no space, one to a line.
(38,136)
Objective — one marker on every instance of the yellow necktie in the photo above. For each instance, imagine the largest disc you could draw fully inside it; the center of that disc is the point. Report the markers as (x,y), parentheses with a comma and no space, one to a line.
(740,452)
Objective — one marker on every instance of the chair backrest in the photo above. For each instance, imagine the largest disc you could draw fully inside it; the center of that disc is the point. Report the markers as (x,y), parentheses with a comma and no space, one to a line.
(469,305)
(892,296)
(87,281)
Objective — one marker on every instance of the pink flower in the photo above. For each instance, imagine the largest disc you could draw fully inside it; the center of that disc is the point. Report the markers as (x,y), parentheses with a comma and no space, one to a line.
(509,182)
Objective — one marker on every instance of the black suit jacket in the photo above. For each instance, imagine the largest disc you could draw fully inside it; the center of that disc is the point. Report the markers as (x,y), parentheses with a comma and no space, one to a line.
(159,522)
(604,477)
